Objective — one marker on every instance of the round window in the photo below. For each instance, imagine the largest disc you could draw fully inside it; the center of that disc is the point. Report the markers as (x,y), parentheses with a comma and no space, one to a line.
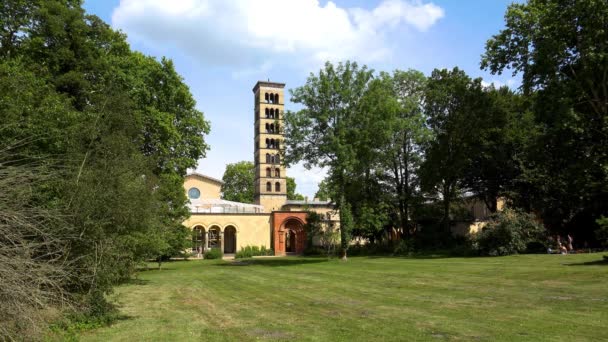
(194,193)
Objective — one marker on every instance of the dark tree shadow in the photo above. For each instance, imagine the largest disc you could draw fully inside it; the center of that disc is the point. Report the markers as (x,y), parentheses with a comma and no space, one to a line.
(274,262)
(136,281)
(603,262)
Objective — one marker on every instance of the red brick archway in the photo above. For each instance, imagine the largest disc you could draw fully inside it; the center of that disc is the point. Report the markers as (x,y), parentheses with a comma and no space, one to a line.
(288,226)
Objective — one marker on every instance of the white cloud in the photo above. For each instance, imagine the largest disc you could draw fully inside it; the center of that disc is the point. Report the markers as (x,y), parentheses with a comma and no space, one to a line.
(244,33)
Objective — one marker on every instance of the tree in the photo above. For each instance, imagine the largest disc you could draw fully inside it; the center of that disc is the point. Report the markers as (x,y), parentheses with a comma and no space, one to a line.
(560,48)
(291,190)
(124,127)
(452,102)
(502,133)
(367,192)
(239,182)
(323,133)
(403,153)
(324,192)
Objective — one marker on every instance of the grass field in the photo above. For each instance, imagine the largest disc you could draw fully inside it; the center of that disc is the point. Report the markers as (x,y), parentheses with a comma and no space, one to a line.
(517,298)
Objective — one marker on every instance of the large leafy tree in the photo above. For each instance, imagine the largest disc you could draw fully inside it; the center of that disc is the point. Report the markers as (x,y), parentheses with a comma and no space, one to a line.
(402,154)
(324,192)
(325,131)
(239,182)
(370,200)
(452,102)
(291,190)
(503,128)
(123,127)
(560,48)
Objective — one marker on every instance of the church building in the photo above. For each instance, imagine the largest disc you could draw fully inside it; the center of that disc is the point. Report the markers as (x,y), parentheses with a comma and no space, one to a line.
(272,221)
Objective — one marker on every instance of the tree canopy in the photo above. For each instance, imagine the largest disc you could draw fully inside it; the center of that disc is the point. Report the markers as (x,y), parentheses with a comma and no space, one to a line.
(115,131)
(239,182)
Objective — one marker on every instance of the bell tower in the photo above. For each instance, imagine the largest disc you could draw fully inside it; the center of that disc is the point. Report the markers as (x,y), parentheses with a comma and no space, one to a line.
(270,177)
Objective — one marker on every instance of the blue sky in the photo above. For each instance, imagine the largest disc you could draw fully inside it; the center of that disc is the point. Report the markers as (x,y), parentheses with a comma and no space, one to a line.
(223,47)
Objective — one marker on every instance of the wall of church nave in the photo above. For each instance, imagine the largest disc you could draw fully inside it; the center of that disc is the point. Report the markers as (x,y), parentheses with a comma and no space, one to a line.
(207,188)
(251,229)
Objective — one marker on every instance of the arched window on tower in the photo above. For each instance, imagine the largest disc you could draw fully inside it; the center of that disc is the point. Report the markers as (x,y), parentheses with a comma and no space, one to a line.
(268,173)
(277,187)
(271,130)
(272,159)
(267,128)
(276,144)
(266,98)
(268,187)
(277,173)
(268,143)
(272,143)
(276,98)
(268,158)
(272,113)
(267,113)
(277,159)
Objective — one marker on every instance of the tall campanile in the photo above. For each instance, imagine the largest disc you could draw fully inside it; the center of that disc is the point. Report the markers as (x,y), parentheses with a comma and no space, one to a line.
(270,181)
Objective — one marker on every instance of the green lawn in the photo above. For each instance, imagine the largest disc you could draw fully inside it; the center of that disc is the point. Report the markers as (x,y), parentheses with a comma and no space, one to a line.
(517,298)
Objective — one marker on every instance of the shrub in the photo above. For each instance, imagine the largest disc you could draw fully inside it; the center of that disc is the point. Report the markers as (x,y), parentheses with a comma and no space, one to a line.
(510,232)
(213,253)
(251,251)
(404,248)
(602,232)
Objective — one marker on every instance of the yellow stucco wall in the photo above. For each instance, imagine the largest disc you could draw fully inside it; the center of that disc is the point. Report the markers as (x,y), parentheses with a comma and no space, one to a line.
(207,187)
(251,229)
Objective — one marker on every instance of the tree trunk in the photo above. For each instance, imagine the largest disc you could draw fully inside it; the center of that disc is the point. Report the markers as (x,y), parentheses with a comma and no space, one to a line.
(343,256)
(446,208)
(344,238)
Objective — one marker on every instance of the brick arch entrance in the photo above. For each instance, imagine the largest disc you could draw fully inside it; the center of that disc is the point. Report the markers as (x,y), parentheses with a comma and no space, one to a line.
(289,235)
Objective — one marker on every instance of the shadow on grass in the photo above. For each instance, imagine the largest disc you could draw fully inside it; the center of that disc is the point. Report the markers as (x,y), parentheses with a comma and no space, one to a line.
(154,268)
(419,256)
(136,281)
(603,262)
(274,262)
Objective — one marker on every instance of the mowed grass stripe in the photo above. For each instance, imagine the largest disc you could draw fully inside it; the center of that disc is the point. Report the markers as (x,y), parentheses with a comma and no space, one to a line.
(518,298)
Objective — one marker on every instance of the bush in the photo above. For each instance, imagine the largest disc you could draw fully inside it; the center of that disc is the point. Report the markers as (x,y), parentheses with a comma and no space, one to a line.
(602,232)
(510,232)
(251,251)
(404,248)
(213,253)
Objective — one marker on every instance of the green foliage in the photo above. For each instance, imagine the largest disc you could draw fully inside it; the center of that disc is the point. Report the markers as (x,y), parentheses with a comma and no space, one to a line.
(324,192)
(404,248)
(124,128)
(291,190)
(213,253)
(325,232)
(251,251)
(452,101)
(403,153)
(554,46)
(497,144)
(602,232)
(509,232)
(313,226)
(325,132)
(239,179)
